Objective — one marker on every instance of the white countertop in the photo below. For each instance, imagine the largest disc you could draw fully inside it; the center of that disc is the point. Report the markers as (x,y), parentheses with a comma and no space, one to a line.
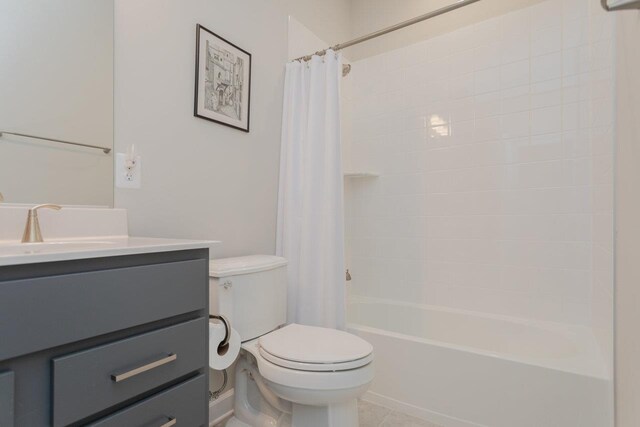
(14,253)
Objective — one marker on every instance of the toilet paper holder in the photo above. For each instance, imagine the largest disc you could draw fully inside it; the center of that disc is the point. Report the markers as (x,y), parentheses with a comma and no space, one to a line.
(223,346)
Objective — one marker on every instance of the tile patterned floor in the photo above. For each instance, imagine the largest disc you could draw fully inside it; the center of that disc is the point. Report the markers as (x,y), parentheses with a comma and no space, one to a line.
(378,416)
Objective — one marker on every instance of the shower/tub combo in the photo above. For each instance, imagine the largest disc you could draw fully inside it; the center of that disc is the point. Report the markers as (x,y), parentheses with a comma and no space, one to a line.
(479,214)
(464,369)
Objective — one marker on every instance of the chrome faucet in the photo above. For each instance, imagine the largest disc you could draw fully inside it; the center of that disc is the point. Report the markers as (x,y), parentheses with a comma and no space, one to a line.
(32,232)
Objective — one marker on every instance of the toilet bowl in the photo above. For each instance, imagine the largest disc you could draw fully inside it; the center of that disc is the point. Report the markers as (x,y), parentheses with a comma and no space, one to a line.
(287,374)
(311,376)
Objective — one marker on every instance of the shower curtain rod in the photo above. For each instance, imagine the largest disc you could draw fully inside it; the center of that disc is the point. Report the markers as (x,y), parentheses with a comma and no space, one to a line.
(457,5)
(620,5)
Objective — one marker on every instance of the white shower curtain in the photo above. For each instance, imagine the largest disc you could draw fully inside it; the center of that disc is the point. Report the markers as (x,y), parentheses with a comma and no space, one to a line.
(310,232)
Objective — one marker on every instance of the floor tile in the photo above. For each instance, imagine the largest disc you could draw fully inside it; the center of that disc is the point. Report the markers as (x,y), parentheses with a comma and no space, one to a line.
(371,415)
(396,419)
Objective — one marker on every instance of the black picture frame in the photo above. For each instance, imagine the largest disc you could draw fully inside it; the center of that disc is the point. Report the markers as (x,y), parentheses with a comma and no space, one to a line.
(225,95)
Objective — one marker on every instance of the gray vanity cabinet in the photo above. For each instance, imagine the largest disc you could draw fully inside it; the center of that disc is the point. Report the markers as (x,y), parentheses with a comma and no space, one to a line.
(6,399)
(119,341)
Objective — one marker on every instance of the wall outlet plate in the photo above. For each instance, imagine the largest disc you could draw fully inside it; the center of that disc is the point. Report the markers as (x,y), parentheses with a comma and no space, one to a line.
(125,177)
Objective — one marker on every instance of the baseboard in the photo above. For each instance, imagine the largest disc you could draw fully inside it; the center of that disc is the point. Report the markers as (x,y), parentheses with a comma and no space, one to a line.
(415,411)
(221,408)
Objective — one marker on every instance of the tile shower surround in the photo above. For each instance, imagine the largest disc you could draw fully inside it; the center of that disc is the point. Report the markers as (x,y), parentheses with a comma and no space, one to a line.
(494,146)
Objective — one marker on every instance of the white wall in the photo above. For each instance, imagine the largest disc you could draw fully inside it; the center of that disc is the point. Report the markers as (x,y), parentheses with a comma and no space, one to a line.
(330,20)
(201,179)
(56,80)
(494,146)
(627,214)
(302,41)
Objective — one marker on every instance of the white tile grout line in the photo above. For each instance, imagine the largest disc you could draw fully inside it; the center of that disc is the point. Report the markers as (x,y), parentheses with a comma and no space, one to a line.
(386,416)
(391,411)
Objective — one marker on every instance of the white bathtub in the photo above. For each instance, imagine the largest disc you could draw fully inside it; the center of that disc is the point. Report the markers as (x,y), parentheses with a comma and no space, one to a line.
(464,369)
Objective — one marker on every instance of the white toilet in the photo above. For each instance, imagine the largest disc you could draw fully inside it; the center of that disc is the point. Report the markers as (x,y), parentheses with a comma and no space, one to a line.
(286,375)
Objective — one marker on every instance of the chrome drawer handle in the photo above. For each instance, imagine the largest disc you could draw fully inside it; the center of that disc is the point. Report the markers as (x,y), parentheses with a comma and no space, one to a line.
(132,373)
(171,422)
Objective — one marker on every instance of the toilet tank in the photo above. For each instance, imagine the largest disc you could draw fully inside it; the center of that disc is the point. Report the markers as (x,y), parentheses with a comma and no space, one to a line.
(251,292)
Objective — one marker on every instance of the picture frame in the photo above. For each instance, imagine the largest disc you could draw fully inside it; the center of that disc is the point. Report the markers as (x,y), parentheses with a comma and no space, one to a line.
(222,81)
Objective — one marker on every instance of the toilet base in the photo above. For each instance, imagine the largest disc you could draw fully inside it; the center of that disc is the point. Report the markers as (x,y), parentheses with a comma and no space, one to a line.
(338,415)
(282,406)
(343,414)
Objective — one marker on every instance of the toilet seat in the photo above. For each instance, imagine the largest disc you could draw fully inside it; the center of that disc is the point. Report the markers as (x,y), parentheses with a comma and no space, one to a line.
(315,358)
(311,380)
(310,348)
(315,367)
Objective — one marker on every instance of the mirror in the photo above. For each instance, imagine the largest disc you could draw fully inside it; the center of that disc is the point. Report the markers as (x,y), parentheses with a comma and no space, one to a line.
(56,88)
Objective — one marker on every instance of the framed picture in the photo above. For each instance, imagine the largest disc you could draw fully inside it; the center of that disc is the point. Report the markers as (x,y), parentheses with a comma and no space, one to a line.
(223,81)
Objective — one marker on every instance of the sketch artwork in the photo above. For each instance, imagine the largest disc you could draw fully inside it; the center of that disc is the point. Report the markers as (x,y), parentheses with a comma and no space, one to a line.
(222,81)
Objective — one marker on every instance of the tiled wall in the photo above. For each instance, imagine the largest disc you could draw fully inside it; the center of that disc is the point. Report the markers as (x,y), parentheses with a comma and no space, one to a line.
(494,147)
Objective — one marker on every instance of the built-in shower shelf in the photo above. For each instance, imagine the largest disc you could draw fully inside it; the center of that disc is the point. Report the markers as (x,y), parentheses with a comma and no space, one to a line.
(361,175)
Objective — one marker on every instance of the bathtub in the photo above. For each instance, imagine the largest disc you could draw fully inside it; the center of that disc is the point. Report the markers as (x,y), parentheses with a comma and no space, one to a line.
(462,369)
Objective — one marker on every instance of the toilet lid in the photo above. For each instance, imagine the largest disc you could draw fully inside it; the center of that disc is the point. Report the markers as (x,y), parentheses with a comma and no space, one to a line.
(315,349)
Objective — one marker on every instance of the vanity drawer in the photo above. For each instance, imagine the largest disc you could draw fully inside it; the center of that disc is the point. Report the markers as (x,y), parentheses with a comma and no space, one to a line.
(181,405)
(94,303)
(6,399)
(92,380)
